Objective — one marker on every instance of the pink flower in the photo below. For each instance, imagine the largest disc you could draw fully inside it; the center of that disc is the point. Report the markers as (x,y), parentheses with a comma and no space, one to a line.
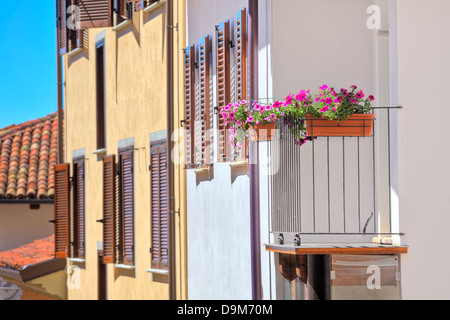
(289,98)
(268,107)
(324,87)
(324,109)
(224,115)
(277,104)
(371,98)
(274,117)
(249,119)
(360,95)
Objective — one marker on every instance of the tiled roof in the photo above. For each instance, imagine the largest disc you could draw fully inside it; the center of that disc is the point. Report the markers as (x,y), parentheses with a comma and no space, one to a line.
(28,155)
(37,251)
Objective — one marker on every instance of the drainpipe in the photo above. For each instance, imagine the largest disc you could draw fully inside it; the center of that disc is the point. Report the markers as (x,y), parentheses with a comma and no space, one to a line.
(254,158)
(60,158)
(170,165)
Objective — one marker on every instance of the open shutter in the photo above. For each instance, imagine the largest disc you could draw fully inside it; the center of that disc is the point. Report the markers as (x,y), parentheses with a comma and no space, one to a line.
(63,32)
(127,207)
(159,202)
(223,83)
(79,208)
(241,55)
(241,66)
(123,12)
(109,206)
(62,210)
(189,98)
(95,13)
(205,112)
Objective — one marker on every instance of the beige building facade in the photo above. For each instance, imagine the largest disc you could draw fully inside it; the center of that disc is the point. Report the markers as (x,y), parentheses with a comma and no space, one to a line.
(115,107)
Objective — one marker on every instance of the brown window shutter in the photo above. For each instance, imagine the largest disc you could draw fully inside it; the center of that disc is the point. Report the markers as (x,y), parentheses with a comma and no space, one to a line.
(223,83)
(122,11)
(62,211)
(241,55)
(159,202)
(95,13)
(79,208)
(205,112)
(127,207)
(109,209)
(63,32)
(189,97)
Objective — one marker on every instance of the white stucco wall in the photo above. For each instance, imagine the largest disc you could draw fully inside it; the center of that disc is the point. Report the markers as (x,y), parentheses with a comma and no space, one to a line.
(310,43)
(423,81)
(19,225)
(218,209)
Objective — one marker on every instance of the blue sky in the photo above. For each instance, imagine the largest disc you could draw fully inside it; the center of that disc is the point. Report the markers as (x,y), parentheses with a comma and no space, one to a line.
(27,62)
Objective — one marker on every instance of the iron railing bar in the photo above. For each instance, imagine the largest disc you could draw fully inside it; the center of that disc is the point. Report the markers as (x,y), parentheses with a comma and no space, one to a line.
(359,186)
(342,233)
(389,167)
(328,178)
(314,185)
(343,181)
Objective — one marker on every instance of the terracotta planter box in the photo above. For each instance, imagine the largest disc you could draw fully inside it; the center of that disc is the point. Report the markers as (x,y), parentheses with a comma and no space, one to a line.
(358,125)
(264,132)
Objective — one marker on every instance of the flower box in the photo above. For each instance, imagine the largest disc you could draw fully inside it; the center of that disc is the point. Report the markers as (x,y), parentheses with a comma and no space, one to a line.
(357,125)
(264,132)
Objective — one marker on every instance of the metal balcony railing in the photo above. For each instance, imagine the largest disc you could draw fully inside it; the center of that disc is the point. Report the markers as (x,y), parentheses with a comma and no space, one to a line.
(336,185)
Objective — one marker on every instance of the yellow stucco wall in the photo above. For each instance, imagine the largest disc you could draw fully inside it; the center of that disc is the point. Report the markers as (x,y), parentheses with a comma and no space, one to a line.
(135,59)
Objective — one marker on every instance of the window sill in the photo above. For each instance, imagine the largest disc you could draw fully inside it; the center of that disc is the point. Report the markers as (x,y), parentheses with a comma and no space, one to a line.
(100,153)
(77,260)
(239,164)
(74,52)
(122,25)
(203,170)
(154,6)
(124,266)
(158,271)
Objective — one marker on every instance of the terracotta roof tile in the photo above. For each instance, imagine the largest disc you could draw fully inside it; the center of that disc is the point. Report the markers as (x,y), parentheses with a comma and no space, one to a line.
(28,155)
(37,251)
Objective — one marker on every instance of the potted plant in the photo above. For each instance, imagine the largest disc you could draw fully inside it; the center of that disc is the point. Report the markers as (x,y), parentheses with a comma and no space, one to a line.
(343,113)
(240,118)
(327,113)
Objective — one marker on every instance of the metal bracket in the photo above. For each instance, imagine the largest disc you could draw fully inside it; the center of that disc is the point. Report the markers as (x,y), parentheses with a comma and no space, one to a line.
(280,238)
(297,240)
(101,221)
(172,27)
(182,123)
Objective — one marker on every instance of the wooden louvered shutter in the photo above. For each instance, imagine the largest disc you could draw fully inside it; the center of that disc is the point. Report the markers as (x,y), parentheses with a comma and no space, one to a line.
(79,208)
(223,83)
(109,209)
(95,13)
(159,205)
(63,32)
(241,55)
(189,98)
(122,11)
(62,210)
(127,207)
(205,112)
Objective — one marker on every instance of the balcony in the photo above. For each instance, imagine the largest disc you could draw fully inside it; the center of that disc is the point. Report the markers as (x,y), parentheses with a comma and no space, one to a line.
(336,189)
